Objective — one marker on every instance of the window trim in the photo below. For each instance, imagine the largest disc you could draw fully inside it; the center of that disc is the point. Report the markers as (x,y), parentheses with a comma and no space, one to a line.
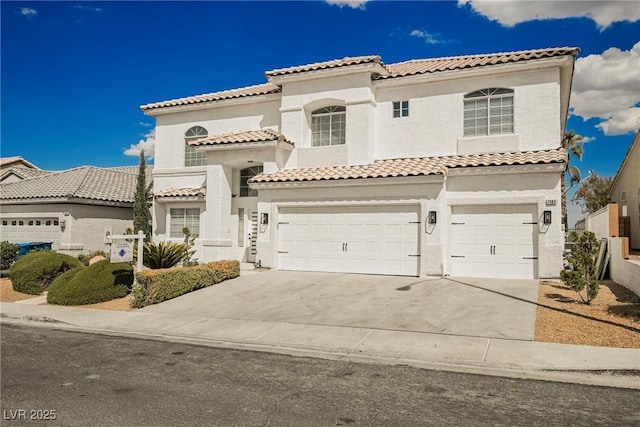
(193,157)
(400,109)
(332,112)
(489,94)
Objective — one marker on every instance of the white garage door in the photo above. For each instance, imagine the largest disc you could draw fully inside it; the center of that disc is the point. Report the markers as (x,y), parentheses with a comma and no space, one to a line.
(369,240)
(494,241)
(20,230)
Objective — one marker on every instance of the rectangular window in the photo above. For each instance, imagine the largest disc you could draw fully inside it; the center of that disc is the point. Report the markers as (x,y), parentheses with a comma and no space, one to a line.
(400,109)
(5,223)
(193,157)
(184,217)
(241,227)
(328,126)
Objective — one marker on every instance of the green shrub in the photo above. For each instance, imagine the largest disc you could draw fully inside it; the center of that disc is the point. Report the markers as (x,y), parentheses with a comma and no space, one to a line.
(85,258)
(581,274)
(102,281)
(9,254)
(163,254)
(154,286)
(34,272)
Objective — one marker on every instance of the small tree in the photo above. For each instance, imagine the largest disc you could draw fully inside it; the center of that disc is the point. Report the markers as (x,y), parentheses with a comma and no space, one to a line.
(141,204)
(581,273)
(189,240)
(593,194)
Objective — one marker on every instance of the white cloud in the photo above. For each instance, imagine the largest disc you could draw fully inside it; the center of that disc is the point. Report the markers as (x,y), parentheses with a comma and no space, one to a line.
(89,8)
(586,139)
(607,86)
(147,145)
(28,12)
(429,38)
(145,124)
(512,12)
(354,4)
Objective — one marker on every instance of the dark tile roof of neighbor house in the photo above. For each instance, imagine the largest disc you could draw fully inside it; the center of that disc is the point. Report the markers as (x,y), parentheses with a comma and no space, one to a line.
(413,166)
(86,182)
(397,70)
(246,136)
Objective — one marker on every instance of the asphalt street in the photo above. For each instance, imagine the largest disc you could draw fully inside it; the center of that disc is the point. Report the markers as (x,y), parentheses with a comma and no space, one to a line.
(56,377)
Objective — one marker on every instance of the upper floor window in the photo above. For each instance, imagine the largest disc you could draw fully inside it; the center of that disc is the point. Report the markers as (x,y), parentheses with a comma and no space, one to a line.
(328,126)
(245,176)
(400,109)
(488,112)
(193,157)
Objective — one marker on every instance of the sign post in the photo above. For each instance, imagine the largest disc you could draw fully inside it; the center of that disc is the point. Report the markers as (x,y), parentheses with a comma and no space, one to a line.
(122,248)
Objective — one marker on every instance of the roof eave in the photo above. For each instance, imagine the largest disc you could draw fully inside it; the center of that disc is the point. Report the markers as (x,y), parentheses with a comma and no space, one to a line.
(373,68)
(241,100)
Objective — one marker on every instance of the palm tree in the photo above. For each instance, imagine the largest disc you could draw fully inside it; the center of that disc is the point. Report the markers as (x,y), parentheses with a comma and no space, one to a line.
(572,142)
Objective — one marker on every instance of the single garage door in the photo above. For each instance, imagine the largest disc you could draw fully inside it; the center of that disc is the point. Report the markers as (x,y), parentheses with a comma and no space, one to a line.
(368,240)
(494,241)
(19,230)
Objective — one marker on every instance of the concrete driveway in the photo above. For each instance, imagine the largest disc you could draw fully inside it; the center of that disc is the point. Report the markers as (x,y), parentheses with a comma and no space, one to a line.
(496,308)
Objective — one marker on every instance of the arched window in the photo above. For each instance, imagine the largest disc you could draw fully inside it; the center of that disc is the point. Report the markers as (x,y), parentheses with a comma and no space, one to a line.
(488,112)
(245,176)
(623,204)
(328,126)
(193,157)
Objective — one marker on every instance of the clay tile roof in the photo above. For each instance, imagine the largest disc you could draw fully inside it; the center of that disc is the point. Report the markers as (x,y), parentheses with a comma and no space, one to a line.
(413,166)
(181,192)
(433,65)
(246,136)
(261,89)
(86,182)
(25,173)
(334,63)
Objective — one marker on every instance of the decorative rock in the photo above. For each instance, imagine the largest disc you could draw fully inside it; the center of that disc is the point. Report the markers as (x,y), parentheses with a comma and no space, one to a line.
(95,259)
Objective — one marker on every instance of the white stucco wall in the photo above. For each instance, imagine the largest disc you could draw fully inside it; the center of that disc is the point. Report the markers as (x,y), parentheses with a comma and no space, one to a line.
(623,272)
(628,181)
(435,125)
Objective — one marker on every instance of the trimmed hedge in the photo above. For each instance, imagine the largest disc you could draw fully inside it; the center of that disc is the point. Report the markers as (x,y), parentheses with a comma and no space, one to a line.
(154,286)
(102,281)
(34,272)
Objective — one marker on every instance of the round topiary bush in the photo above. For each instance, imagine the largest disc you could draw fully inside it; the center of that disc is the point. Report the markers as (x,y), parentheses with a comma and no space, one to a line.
(34,272)
(102,281)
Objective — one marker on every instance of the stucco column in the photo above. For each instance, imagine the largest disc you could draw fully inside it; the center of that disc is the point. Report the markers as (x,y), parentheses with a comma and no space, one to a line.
(218,205)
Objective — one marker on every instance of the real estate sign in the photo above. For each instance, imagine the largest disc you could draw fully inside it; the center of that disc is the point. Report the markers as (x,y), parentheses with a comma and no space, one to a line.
(122,250)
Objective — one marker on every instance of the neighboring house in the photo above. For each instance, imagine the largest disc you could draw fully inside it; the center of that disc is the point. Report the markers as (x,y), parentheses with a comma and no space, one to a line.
(16,168)
(429,167)
(625,191)
(73,208)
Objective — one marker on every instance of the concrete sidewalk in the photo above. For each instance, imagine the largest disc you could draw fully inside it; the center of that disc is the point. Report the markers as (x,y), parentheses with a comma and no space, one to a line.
(481,355)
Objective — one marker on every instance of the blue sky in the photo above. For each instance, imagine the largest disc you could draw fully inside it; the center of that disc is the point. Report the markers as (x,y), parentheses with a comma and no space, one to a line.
(75,73)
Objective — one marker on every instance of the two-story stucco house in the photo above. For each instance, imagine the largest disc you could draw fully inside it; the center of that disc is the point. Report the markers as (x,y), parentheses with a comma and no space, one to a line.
(443,166)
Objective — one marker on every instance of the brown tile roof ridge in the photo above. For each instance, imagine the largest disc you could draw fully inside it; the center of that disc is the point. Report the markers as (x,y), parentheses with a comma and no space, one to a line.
(413,166)
(430,65)
(181,192)
(333,63)
(254,90)
(244,136)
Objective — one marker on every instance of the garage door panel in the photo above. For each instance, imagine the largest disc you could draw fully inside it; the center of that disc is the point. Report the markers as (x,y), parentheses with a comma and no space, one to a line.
(496,241)
(378,239)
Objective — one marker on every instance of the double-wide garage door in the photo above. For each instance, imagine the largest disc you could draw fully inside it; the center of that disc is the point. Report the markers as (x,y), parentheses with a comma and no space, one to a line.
(18,230)
(494,241)
(369,240)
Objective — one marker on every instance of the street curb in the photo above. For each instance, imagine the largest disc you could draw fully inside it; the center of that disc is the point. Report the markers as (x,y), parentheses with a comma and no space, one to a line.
(604,378)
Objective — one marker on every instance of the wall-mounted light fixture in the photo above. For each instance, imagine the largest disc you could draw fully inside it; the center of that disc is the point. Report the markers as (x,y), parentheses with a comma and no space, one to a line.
(264,218)
(63,223)
(546,217)
(433,217)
